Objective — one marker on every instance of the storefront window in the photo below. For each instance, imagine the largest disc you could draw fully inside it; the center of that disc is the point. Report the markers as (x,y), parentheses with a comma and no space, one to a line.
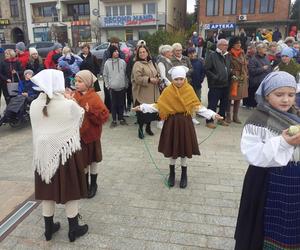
(81,33)
(129,35)
(116,33)
(41,34)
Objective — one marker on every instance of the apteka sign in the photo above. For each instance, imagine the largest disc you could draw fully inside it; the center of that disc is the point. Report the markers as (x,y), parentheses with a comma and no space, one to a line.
(117,21)
(217,26)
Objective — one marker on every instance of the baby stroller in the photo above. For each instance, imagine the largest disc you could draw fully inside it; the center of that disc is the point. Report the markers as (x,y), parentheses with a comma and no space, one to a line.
(16,113)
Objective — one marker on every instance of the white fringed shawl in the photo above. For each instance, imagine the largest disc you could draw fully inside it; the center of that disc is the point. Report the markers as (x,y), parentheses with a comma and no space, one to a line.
(56,137)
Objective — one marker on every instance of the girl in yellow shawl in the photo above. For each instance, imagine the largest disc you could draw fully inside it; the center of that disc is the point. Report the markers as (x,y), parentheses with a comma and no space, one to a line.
(176,105)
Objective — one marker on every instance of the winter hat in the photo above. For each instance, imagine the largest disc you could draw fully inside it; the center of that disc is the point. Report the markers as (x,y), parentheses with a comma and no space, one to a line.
(287,52)
(28,71)
(191,50)
(87,77)
(178,72)
(57,46)
(273,81)
(20,46)
(50,81)
(33,51)
(112,49)
(140,43)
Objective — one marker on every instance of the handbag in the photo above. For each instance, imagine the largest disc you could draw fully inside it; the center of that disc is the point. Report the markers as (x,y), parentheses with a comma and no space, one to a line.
(13,87)
(234,88)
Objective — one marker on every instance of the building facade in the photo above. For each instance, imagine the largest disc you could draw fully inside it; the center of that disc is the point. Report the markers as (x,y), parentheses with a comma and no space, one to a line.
(74,22)
(132,20)
(231,15)
(12,21)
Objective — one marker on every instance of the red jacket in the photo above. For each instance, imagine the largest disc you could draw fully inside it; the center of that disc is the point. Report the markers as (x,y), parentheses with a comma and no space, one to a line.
(24,58)
(94,118)
(49,63)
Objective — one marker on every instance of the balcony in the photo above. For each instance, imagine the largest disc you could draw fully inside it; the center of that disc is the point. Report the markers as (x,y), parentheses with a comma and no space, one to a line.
(42,19)
(71,18)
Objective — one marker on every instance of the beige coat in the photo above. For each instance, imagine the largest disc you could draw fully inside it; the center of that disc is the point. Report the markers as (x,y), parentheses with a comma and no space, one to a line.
(143,91)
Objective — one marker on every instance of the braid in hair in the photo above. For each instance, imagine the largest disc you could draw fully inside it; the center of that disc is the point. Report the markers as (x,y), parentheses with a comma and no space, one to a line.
(45,111)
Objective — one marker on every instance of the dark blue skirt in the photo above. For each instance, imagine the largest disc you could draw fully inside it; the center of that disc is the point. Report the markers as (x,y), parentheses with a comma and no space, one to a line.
(282,208)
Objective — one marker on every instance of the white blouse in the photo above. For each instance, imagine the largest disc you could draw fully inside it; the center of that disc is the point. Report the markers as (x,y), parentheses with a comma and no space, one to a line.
(203,111)
(264,148)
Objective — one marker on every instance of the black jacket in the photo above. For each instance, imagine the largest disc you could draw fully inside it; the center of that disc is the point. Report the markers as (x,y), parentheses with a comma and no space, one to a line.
(6,68)
(35,65)
(217,69)
(91,63)
(256,71)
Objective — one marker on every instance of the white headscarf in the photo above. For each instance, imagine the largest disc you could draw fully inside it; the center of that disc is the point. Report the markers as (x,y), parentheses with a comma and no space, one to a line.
(50,81)
(178,71)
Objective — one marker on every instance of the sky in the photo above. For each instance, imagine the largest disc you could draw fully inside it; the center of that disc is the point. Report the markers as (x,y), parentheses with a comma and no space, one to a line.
(190,5)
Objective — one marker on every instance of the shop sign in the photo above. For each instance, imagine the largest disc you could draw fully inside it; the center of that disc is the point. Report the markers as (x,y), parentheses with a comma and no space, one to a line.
(134,20)
(4,21)
(217,26)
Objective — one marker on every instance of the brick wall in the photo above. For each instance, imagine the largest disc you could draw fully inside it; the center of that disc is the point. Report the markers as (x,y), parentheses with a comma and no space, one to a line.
(281,12)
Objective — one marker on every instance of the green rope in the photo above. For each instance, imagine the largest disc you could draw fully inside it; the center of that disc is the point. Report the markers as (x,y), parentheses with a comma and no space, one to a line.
(166,176)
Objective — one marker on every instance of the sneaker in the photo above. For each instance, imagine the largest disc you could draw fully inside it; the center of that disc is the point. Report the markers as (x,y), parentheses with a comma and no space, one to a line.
(123,122)
(126,114)
(223,123)
(195,121)
(160,124)
(211,125)
(113,124)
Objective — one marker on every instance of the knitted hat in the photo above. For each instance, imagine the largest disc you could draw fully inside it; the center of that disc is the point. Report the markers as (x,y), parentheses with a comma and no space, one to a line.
(87,77)
(57,46)
(287,52)
(20,46)
(191,50)
(140,43)
(33,51)
(112,49)
(178,72)
(28,71)
(273,81)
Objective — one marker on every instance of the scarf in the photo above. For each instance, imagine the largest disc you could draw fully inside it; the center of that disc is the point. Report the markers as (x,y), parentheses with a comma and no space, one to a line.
(272,119)
(56,137)
(175,100)
(236,52)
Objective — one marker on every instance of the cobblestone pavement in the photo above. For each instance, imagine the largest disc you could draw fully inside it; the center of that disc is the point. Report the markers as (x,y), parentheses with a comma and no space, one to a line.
(133,208)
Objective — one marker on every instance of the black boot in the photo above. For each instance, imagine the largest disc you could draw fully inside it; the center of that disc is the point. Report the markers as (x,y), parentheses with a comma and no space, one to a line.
(93,189)
(75,230)
(171,180)
(87,181)
(183,180)
(141,132)
(148,129)
(50,227)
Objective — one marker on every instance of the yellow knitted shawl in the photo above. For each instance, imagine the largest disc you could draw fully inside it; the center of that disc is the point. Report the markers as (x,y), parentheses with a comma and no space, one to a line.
(177,100)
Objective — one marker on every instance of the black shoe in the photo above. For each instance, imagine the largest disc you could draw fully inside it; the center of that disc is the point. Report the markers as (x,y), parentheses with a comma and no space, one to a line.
(75,230)
(50,227)
(113,124)
(148,130)
(141,133)
(171,180)
(183,180)
(93,188)
(123,122)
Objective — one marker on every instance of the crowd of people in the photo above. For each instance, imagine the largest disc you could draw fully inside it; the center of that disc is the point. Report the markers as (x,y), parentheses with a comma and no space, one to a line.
(261,74)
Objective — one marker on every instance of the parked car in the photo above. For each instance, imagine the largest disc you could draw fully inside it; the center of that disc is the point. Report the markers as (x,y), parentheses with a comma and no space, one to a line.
(43,48)
(99,50)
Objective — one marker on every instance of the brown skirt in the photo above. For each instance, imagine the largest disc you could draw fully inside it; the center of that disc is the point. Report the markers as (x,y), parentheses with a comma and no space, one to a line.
(178,137)
(92,152)
(67,184)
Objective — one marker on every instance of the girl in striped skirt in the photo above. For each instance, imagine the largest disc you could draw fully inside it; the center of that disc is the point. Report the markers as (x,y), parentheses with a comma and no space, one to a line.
(269,214)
